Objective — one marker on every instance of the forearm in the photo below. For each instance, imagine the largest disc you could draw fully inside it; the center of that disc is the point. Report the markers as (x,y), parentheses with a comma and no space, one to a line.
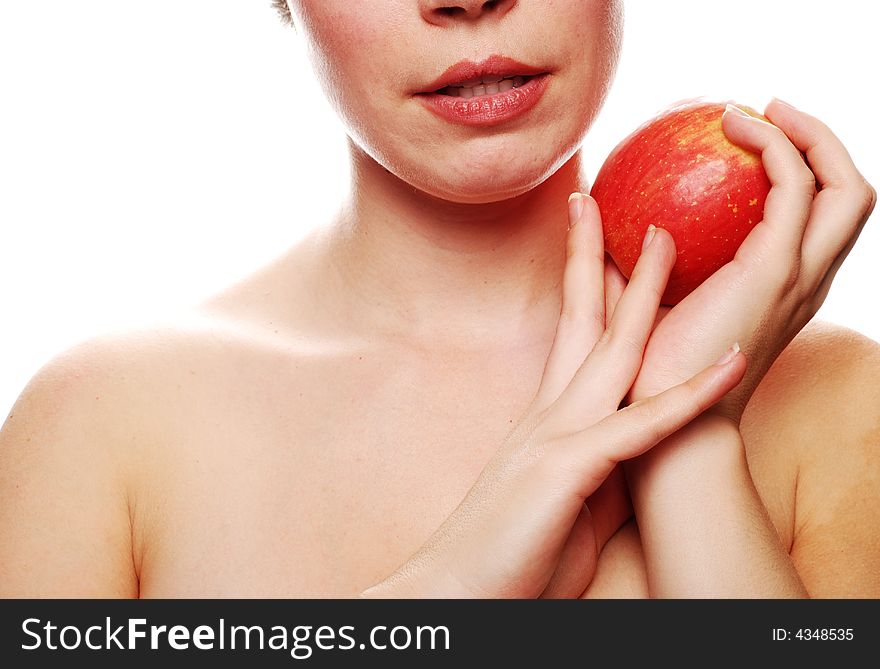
(705,531)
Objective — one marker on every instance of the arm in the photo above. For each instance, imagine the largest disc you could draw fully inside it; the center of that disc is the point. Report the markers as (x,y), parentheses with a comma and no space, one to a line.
(830,425)
(64,518)
(774,285)
(704,528)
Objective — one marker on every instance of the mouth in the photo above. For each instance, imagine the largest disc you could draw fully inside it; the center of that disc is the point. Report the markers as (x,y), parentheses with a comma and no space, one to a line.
(493,91)
(468,75)
(486,85)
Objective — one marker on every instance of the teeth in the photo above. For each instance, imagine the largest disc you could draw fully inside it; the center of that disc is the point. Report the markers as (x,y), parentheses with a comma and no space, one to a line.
(485,86)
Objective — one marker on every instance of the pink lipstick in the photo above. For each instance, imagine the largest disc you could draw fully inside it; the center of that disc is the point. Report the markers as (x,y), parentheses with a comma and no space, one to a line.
(494,91)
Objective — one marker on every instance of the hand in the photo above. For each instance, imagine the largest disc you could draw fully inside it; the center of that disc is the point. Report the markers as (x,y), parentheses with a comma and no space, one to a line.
(784,269)
(526,515)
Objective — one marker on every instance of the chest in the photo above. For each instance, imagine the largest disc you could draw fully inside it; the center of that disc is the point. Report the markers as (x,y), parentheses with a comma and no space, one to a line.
(322,488)
(321,480)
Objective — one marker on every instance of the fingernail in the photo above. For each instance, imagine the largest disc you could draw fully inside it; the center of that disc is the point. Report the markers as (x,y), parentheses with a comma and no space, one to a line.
(649,235)
(729,355)
(784,103)
(575,208)
(733,109)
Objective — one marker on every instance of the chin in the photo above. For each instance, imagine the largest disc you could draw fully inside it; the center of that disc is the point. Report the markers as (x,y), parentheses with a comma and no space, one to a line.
(480,192)
(491,179)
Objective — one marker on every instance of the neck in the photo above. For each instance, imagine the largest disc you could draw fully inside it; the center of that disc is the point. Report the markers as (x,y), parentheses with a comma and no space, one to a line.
(414,265)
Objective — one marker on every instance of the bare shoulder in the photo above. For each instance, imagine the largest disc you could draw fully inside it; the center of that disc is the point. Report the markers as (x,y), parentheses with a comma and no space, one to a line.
(67,450)
(64,477)
(826,379)
(107,420)
(812,433)
(135,386)
(152,377)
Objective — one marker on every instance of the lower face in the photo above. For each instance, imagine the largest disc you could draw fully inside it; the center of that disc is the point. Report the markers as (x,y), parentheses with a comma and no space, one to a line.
(469,110)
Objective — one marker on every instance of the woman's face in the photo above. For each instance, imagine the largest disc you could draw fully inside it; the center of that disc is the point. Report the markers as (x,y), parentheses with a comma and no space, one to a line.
(476,139)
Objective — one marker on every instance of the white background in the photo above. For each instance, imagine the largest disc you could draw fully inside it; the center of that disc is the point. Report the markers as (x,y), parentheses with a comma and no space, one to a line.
(153,152)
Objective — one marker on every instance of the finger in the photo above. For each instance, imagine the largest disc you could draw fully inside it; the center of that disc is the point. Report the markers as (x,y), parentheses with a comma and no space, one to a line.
(838,220)
(845,199)
(591,454)
(615,282)
(613,506)
(787,207)
(577,561)
(582,318)
(827,277)
(610,369)
(828,159)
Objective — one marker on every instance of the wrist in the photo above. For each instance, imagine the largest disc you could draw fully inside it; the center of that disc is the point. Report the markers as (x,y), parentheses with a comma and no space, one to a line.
(730,406)
(710,443)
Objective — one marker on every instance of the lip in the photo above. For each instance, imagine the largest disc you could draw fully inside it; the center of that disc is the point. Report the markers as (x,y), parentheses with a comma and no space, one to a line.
(495,65)
(485,110)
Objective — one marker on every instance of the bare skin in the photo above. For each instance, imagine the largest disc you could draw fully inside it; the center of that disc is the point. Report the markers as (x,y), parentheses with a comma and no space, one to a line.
(307,432)
(249,452)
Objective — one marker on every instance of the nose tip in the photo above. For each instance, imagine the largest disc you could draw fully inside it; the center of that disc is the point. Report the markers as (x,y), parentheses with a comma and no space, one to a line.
(448,12)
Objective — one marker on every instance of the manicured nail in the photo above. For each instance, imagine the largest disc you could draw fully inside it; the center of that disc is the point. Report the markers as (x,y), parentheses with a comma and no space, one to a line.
(733,109)
(729,355)
(784,103)
(575,208)
(649,235)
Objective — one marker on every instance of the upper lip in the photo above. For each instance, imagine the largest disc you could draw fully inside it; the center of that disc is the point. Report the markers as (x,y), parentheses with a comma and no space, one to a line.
(493,66)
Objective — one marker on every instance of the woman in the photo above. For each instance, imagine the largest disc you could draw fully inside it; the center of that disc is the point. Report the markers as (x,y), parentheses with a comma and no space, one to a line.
(423,398)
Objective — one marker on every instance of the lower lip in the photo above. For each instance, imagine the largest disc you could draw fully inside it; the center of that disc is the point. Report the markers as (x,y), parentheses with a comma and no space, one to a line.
(488,109)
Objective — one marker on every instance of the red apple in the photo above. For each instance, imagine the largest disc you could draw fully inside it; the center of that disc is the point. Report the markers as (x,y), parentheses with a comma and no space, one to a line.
(679,172)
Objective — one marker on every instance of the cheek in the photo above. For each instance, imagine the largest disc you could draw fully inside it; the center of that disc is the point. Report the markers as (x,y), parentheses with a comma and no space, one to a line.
(349,48)
(594,36)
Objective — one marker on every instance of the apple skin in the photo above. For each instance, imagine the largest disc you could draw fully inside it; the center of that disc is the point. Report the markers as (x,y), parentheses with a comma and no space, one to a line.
(679,172)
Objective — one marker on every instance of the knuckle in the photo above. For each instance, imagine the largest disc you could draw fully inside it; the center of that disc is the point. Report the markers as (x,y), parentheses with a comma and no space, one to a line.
(549,463)
(868,198)
(527,436)
(650,416)
(577,318)
(691,394)
(531,429)
(650,281)
(785,277)
(629,346)
(789,279)
(801,179)
(642,408)
(656,289)
(776,138)
(798,177)
(604,341)
(775,133)
(621,344)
